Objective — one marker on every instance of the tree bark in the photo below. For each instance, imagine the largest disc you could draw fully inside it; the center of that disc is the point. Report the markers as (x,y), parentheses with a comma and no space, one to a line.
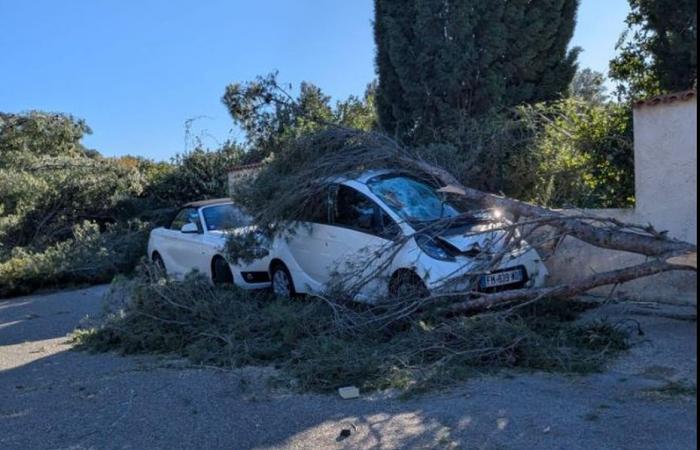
(564,291)
(650,244)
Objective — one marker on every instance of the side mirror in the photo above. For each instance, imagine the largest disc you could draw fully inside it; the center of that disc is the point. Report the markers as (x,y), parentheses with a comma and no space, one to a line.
(189,228)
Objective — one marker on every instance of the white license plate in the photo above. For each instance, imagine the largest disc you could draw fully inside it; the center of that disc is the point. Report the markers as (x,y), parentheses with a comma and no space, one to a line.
(501,278)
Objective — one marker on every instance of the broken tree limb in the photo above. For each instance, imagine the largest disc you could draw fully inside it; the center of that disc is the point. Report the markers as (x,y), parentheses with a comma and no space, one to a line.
(487,301)
(282,191)
(651,244)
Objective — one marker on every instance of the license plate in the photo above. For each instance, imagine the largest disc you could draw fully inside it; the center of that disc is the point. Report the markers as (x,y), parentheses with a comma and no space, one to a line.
(501,278)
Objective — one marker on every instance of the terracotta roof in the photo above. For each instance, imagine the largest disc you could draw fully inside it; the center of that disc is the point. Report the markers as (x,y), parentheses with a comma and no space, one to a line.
(246,167)
(667,98)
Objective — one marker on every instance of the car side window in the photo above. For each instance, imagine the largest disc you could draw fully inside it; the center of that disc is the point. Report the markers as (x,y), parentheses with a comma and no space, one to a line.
(355,210)
(224,217)
(316,208)
(185,215)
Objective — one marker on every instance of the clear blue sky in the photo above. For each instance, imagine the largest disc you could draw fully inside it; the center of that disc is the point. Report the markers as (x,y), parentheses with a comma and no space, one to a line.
(136,70)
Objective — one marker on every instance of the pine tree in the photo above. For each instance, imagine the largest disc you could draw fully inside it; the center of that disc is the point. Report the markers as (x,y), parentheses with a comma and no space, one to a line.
(441,61)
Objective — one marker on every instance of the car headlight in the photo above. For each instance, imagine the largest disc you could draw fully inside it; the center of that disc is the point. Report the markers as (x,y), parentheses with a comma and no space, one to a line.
(432,248)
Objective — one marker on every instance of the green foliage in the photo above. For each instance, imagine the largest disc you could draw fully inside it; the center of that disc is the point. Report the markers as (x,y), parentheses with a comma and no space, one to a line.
(271,117)
(582,156)
(36,134)
(442,62)
(589,85)
(232,327)
(658,51)
(90,255)
(43,201)
(196,175)
(70,215)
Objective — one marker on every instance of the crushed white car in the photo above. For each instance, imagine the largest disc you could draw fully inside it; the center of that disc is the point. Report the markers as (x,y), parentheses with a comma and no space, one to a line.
(358,223)
(195,241)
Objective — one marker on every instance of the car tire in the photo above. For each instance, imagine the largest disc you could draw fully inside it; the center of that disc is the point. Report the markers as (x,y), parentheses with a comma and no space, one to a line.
(282,282)
(221,271)
(406,284)
(159,264)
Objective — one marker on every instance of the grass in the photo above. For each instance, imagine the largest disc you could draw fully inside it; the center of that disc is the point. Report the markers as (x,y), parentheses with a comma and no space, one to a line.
(229,327)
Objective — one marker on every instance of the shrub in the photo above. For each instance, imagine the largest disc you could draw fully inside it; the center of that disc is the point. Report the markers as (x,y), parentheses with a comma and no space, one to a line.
(582,156)
(569,153)
(89,256)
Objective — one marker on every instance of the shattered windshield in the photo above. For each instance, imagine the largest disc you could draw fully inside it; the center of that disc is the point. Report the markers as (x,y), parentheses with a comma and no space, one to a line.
(415,201)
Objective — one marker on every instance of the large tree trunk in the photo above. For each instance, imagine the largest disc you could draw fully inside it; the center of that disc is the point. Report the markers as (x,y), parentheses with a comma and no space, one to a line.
(664,254)
(645,241)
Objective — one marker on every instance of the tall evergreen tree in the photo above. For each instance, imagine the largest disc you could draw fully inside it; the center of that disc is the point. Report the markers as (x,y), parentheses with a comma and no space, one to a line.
(441,61)
(658,51)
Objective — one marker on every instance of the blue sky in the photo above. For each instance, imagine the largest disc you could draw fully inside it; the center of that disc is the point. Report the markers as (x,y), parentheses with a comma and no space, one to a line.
(137,70)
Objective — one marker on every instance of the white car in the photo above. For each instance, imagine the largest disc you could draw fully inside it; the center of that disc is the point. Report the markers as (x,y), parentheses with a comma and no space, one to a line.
(195,240)
(376,230)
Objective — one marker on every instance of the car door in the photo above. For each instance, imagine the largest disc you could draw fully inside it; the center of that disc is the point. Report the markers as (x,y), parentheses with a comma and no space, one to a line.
(181,250)
(359,242)
(308,243)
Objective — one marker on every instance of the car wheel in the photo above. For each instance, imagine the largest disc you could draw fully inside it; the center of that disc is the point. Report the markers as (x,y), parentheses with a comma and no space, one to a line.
(221,271)
(158,262)
(282,283)
(406,284)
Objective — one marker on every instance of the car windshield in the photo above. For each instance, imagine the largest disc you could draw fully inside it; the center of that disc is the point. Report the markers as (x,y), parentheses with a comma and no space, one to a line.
(415,201)
(224,217)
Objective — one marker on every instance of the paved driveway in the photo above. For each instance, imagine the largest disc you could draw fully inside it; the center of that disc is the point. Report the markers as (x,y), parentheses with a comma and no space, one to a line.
(54,398)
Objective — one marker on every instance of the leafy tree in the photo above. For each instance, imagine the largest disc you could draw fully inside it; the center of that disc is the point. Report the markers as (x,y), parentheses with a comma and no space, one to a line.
(26,137)
(270,116)
(358,113)
(589,85)
(196,175)
(658,51)
(440,61)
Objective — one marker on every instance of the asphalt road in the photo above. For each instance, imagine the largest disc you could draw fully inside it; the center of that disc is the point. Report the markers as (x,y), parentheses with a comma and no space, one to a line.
(52,397)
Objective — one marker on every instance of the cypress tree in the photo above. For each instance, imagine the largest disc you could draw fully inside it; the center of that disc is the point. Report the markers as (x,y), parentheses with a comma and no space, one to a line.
(442,61)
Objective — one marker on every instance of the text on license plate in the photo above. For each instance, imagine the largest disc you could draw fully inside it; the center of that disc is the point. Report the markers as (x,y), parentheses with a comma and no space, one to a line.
(501,278)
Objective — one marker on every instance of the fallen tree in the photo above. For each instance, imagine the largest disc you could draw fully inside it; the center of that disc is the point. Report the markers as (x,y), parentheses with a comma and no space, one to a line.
(283,189)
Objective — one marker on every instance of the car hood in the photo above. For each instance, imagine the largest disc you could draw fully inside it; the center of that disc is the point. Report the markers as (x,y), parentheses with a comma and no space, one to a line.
(488,241)
(478,239)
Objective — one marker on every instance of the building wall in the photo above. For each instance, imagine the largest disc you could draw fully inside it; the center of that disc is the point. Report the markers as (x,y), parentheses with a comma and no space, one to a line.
(665,151)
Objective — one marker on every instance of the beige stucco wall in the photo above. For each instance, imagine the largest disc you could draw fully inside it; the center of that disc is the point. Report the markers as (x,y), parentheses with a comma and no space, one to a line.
(574,260)
(665,146)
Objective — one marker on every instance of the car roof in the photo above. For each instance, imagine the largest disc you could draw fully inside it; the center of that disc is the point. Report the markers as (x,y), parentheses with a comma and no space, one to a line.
(201,203)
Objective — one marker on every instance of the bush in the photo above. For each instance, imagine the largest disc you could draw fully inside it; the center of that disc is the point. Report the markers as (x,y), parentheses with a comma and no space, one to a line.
(231,327)
(583,155)
(89,256)
(568,153)
(196,175)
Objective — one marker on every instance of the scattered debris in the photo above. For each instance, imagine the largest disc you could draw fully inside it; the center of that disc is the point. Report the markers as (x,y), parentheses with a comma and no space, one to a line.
(348,392)
(344,434)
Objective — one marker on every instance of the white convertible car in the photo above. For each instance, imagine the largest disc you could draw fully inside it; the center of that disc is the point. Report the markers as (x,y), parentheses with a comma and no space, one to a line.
(195,240)
(354,225)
